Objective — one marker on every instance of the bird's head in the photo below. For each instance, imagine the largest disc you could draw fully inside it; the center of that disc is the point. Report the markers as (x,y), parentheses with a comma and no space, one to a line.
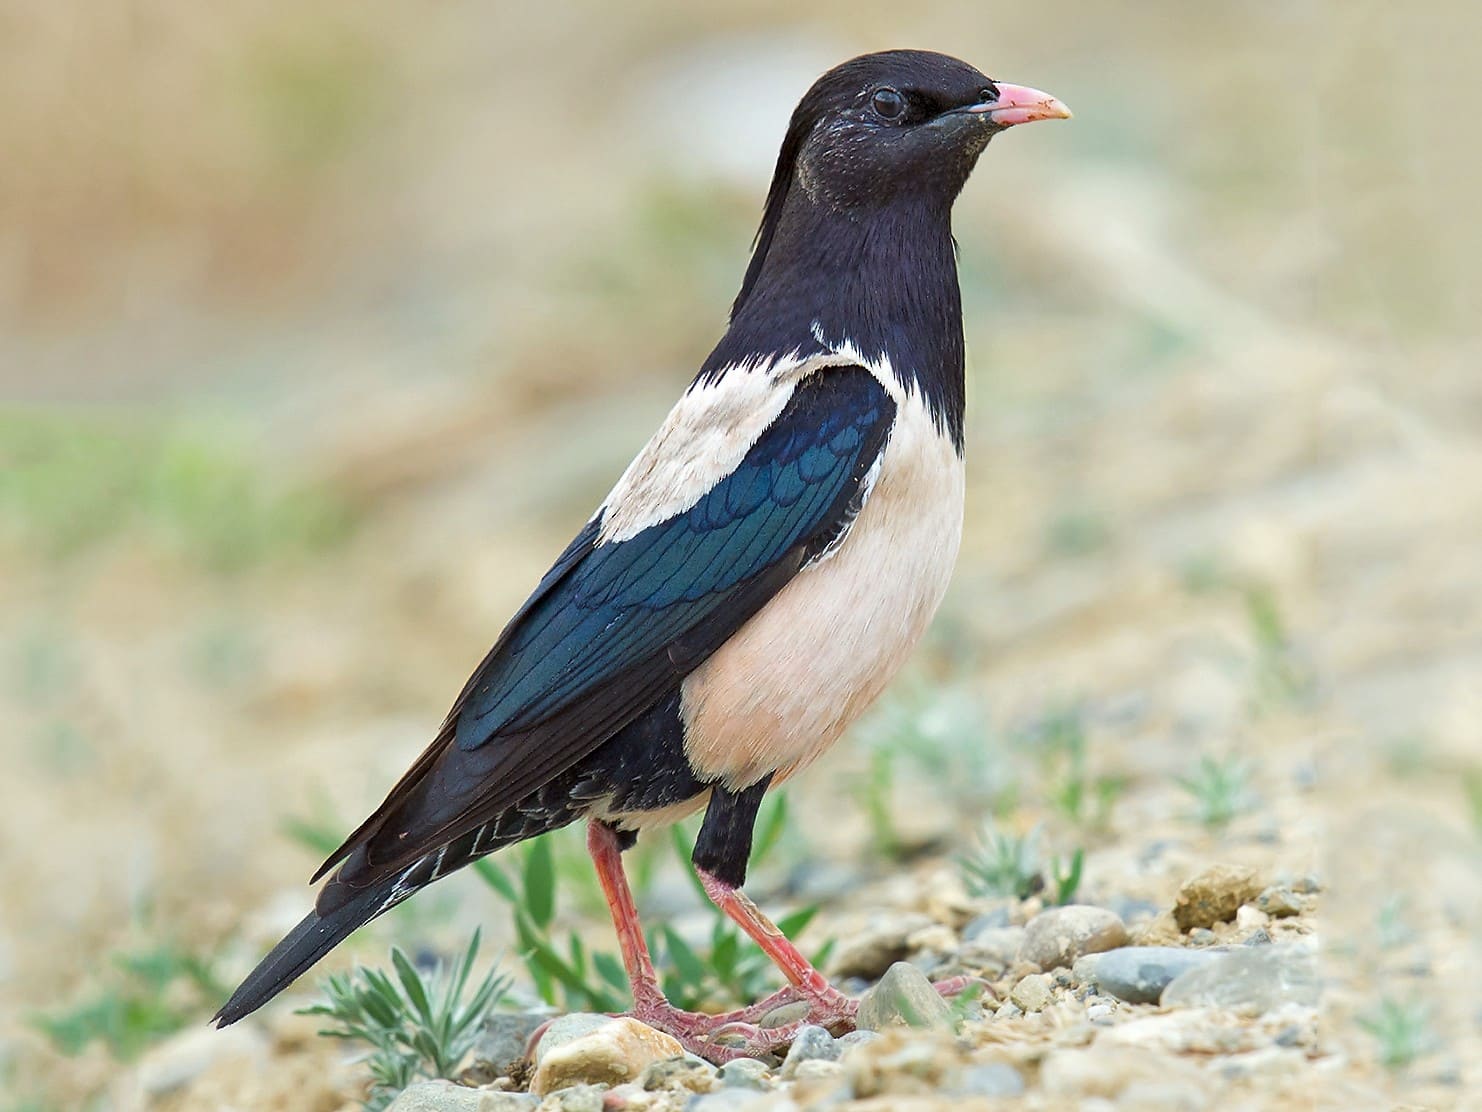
(901,122)
(881,130)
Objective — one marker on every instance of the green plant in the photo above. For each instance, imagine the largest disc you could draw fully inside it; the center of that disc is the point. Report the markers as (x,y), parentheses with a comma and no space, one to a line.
(1015,865)
(150,993)
(1282,675)
(1059,739)
(1220,790)
(566,973)
(1402,1030)
(415,1027)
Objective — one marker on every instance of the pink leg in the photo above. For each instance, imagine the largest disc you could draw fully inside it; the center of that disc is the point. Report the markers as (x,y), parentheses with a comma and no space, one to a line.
(650,1006)
(827,1006)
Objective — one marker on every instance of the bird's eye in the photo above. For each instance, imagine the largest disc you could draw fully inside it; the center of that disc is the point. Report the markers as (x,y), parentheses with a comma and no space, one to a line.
(989,92)
(888,104)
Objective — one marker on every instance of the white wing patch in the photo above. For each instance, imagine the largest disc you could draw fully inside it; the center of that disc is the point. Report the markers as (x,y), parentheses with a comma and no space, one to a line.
(704,439)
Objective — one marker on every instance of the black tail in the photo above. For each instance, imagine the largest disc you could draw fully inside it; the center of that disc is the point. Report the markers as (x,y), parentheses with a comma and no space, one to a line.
(306,944)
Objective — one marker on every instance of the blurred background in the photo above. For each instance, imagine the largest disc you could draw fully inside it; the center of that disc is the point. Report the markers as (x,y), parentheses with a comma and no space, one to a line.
(324,325)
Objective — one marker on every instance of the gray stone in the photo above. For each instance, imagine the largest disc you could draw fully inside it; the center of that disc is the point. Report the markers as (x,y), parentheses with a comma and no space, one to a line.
(1279,902)
(505,1036)
(444,1096)
(873,950)
(991,1079)
(1032,993)
(1008,1011)
(745,1073)
(1249,980)
(1059,935)
(817,1069)
(685,1073)
(998,946)
(575,1098)
(1139,974)
(856,1038)
(736,1100)
(784,1014)
(811,1044)
(903,996)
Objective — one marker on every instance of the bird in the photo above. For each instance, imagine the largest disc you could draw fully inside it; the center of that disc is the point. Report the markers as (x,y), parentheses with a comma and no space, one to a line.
(755,577)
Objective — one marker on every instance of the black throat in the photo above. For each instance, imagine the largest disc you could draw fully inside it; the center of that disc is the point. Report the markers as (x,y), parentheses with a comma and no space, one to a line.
(883,278)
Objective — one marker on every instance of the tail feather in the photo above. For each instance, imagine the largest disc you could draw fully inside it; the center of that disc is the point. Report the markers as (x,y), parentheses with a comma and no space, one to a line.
(314,937)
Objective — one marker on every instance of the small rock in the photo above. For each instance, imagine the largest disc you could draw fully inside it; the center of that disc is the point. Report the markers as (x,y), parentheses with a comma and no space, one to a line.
(872,951)
(991,1079)
(1262,937)
(1099,1013)
(1139,974)
(1060,935)
(444,1096)
(1306,885)
(745,1073)
(1203,936)
(996,946)
(1249,980)
(1008,1011)
(565,1029)
(1250,918)
(1032,993)
(613,1053)
(576,1098)
(505,1036)
(686,1073)
(1279,902)
(784,1014)
(1214,896)
(732,1100)
(812,1044)
(856,1038)
(817,1069)
(903,996)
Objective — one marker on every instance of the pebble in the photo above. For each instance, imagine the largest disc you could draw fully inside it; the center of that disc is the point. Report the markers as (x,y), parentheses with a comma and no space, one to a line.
(870,952)
(1214,895)
(1099,1013)
(812,1044)
(1059,935)
(737,1100)
(990,1079)
(1250,918)
(687,1073)
(576,1098)
(745,1073)
(1032,993)
(996,946)
(1139,974)
(617,1051)
(784,1014)
(1250,980)
(565,1029)
(856,1038)
(817,1069)
(444,1096)
(1008,1011)
(505,1036)
(1203,936)
(1279,902)
(903,996)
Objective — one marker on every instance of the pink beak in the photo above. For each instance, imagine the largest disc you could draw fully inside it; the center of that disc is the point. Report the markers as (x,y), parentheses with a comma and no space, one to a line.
(1019,104)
